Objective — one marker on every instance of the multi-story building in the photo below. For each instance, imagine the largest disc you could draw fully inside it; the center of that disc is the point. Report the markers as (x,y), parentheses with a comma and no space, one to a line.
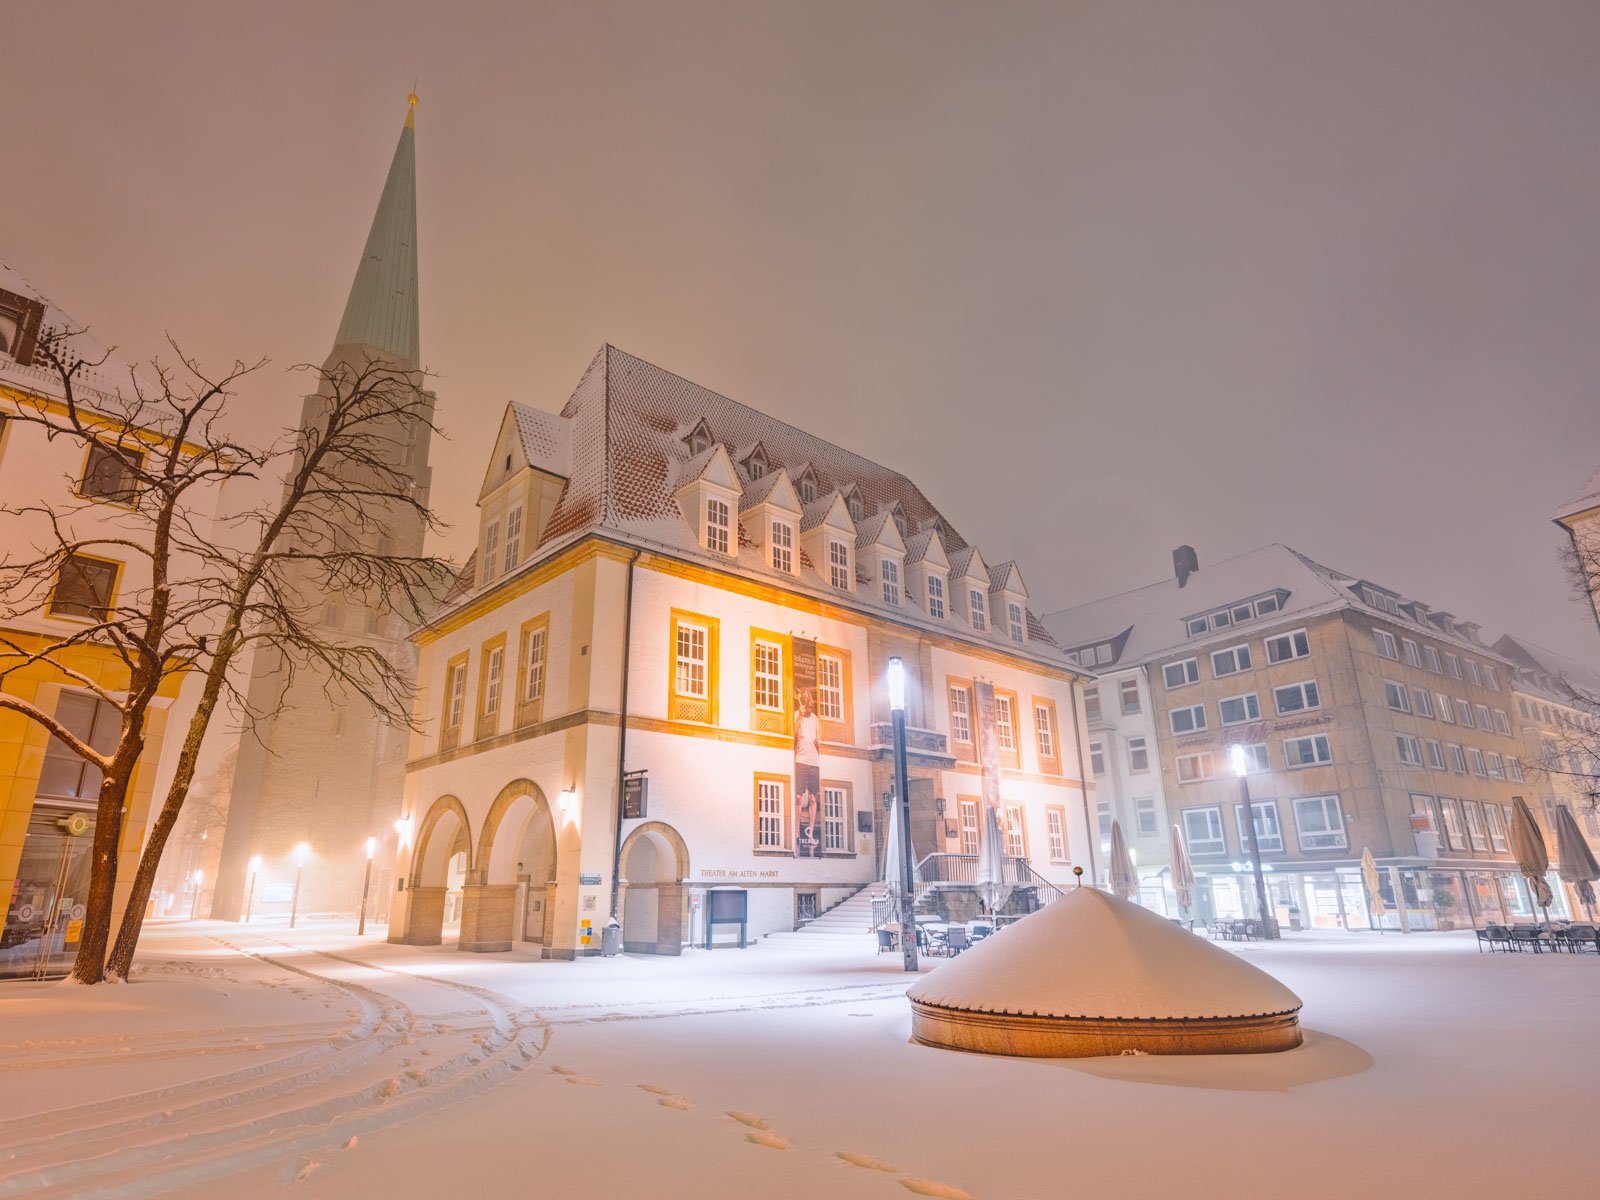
(660,687)
(321,769)
(48,795)
(1120,715)
(1366,721)
(1555,698)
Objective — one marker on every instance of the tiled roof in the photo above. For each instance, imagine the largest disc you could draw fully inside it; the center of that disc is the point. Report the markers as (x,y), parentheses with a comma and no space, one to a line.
(755,493)
(545,438)
(960,560)
(625,425)
(867,532)
(1000,575)
(917,545)
(106,383)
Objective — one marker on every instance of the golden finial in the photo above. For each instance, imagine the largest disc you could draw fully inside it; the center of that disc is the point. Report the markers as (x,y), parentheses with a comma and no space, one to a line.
(411,114)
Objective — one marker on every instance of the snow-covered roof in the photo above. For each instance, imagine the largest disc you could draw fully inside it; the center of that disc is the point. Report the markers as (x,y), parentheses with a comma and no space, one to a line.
(1091,955)
(546,439)
(1536,664)
(1157,613)
(112,379)
(1586,499)
(627,460)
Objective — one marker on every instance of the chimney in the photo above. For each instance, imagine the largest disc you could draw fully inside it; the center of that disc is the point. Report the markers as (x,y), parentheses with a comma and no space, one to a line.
(1184,563)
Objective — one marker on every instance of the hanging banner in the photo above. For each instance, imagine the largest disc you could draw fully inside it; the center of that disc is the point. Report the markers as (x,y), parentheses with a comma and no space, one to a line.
(988,742)
(807,751)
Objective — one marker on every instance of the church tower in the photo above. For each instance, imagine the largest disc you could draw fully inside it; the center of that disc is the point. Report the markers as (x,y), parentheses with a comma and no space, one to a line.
(320,773)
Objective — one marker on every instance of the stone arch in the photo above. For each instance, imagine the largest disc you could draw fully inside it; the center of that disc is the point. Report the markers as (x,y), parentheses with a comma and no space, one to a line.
(435,843)
(654,865)
(519,802)
(420,907)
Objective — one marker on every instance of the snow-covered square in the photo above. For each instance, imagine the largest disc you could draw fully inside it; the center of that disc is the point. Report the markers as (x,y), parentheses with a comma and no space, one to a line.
(261,1061)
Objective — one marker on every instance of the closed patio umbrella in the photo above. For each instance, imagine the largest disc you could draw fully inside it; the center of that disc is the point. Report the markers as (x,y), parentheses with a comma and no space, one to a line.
(1369,876)
(1122,877)
(1578,865)
(993,889)
(1528,848)
(1182,872)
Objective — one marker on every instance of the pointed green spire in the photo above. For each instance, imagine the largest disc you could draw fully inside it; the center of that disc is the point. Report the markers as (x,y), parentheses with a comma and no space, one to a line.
(382,309)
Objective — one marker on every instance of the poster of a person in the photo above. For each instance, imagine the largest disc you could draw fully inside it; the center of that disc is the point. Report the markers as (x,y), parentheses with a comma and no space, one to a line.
(807,775)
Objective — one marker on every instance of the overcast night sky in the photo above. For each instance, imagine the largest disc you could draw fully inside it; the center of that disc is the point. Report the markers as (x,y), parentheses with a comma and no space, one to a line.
(1102,278)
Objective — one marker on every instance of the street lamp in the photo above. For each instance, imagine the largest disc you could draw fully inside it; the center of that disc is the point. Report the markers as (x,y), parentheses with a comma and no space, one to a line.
(897,708)
(300,852)
(366,884)
(250,895)
(1241,768)
(199,878)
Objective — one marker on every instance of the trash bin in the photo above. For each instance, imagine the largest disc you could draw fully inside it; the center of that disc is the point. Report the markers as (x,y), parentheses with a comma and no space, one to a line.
(611,939)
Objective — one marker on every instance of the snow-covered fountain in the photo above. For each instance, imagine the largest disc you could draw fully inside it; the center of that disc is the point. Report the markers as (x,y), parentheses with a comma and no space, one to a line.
(1092,975)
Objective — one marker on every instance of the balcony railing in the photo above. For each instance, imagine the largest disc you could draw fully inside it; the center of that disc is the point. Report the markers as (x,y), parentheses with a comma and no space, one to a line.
(961,870)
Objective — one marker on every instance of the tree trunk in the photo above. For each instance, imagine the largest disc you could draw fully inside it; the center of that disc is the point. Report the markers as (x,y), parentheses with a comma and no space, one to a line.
(144,878)
(90,964)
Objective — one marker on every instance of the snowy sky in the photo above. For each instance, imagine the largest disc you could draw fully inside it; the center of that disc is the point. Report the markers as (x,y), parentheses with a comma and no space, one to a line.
(1103,278)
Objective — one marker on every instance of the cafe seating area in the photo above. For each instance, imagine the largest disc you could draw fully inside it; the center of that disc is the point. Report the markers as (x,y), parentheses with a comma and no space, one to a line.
(937,939)
(1560,937)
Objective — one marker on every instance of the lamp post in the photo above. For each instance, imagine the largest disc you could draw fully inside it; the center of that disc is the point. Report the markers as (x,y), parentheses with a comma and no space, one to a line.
(300,853)
(1241,768)
(366,885)
(199,880)
(250,893)
(908,899)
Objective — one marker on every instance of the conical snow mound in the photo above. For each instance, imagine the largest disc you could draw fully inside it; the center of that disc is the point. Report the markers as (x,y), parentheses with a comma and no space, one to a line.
(1091,956)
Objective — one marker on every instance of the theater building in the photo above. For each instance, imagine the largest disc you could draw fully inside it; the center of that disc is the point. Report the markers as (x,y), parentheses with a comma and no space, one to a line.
(662,675)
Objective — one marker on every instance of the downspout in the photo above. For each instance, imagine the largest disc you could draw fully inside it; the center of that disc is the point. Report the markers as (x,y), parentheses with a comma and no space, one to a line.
(1089,826)
(622,733)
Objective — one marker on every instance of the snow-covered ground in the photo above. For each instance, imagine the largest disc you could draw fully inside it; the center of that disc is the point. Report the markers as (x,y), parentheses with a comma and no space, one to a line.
(308,1063)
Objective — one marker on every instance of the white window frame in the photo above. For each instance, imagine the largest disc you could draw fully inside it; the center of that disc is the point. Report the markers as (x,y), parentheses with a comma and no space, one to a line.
(1196,714)
(782,546)
(458,695)
(1496,821)
(1479,767)
(1385,644)
(1215,840)
(1491,678)
(533,669)
(1502,722)
(691,660)
(1464,715)
(830,687)
(960,714)
(1408,747)
(766,666)
(834,807)
(1458,758)
(969,826)
(1435,751)
(976,611)
(1302,689)
(1318,745)
(718,525)
(889,575)
(1019,628)
(1411,651)
(1329,831)
(1138,749)
(769,814)
(1045,730)
(1471,668)
(513,553)
(491,681)
(1005,728)
(1203,766)
(1252,708)
(1392,691)
(935,597)
(839,564)
(1129,687)
(1188,670)
(1145,807)
(1495,765)
(1097,758)
(1016,844)
(1297,641)
(1447,712)
(1236,658)
(1452,665)
(491,551)
(1056,834)
(1269,832)
(1424,701)
(1430,656)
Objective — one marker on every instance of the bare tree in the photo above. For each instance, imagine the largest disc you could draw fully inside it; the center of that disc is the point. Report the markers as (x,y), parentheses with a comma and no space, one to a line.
(212,584)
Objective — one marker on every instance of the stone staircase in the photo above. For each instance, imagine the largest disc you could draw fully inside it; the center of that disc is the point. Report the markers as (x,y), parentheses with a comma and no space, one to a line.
(850,919)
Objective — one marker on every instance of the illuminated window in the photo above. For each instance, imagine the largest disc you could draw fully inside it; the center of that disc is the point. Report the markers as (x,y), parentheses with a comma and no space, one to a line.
(691,660)
(839,564)
(1047,735)
(969,827)
(830,688)
(769,676)
(783,546)
(716,525)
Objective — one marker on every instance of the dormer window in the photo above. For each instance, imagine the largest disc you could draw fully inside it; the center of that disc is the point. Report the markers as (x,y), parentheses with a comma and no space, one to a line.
(935,597)
(716,525)
(513,539)
(975,606)
(783,547)
(491,551)
(699,439)
(857,511)
(889,573)
(1015,620)
(755,463)
(900,520)
(839,564)
(806,489)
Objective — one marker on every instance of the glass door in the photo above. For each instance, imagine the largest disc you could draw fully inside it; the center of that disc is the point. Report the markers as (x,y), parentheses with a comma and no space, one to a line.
(44,922)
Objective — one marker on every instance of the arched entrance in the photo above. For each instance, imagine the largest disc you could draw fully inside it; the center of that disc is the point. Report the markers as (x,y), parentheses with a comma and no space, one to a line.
(513,889)
(444,834)
(655,864)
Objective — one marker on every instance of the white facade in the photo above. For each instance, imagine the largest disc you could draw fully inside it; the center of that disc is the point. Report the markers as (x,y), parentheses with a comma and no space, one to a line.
(1126,766)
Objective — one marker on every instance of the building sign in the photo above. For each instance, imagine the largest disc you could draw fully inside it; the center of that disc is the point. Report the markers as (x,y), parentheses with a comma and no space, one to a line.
(634,792)
(587,880)
(988,743)
(807,751)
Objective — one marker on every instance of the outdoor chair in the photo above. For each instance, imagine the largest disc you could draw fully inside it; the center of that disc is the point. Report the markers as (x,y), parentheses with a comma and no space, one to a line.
(955,940)
(1583,937)
(885,940)
(1528,939)
(1498,937)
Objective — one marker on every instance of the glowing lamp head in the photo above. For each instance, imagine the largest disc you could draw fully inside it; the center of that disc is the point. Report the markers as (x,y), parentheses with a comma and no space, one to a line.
(897,685)
(199,877)
(402,829)
(301,852)
(1241,768)
(255,862)
(372,848)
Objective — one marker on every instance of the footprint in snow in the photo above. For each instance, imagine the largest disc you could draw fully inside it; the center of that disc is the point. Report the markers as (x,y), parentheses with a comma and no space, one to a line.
(677,1102)
(578,1079)
(928,1187)
(653,1089)
(770,1140)
(750,1119)
(867,1161)
(563,1070)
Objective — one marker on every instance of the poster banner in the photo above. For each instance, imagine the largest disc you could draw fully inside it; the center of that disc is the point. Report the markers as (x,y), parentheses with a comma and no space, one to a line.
(988,743)
(807,751)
